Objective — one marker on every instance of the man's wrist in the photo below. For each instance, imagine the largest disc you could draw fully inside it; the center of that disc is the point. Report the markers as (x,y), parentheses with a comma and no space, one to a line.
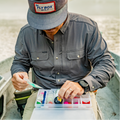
(84,85)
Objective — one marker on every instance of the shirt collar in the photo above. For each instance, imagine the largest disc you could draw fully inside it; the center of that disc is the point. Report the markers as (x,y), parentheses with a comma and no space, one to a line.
(41,32)
(64,27)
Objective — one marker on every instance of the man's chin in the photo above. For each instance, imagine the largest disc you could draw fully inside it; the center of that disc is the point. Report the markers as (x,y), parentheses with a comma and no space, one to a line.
(51,30)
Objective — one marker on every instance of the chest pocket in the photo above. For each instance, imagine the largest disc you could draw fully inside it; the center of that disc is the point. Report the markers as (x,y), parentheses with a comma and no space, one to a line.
(40,60)
(73,61)
(39,56)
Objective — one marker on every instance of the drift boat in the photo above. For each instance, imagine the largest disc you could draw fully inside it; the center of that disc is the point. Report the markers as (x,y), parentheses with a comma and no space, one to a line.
(12,102)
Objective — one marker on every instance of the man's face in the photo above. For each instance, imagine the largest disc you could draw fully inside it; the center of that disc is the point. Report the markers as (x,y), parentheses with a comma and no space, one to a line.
(53,31)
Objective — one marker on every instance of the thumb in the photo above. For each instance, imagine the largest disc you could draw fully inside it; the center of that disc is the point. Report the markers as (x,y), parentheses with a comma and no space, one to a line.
(23,75)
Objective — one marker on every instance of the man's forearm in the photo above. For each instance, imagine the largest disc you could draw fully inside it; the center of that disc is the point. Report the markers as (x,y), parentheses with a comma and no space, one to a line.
(19,68)
(100,75)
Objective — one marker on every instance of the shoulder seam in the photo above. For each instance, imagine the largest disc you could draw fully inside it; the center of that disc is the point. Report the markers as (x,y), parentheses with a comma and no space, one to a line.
(25,27)
(81,22)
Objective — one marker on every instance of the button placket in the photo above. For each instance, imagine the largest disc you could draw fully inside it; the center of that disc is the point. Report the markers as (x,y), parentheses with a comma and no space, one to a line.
(56,58)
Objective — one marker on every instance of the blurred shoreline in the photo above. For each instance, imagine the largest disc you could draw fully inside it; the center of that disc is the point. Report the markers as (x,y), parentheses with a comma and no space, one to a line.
(104,12)
(17,9)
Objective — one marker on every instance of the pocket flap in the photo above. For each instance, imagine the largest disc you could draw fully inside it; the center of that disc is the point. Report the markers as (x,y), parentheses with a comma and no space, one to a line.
(39,56)
(75,55)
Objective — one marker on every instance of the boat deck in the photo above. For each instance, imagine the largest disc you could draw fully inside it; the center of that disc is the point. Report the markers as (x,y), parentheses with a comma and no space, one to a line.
(11,111)
(108,104)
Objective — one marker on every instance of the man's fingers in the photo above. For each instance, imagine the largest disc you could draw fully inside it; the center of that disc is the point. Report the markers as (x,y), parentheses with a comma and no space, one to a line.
(20,88)
(74,93)
(20,84)
(63,89)
(23,75)
(70,89)
(18,80)
(68,92)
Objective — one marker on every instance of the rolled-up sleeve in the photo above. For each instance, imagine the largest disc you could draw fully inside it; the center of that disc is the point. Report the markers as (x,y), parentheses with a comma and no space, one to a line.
(21,61)
(101,61)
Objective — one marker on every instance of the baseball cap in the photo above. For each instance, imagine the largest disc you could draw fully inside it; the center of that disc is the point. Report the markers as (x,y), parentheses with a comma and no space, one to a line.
(46,14)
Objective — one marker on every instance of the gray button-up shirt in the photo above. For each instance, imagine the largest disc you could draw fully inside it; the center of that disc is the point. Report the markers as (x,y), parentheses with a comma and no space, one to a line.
(78,52)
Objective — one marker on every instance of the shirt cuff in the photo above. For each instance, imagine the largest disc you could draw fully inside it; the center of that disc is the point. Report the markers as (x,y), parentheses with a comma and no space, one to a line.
(93,83)
(18,68)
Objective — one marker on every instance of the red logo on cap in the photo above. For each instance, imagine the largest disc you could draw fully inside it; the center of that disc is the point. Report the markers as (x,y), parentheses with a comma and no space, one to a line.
(46,7)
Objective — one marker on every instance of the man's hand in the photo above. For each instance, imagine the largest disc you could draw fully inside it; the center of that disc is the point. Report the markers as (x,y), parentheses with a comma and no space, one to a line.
(18,82)
(71,89)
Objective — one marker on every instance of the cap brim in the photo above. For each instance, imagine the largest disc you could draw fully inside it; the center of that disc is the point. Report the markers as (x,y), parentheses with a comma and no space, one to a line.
(47,21)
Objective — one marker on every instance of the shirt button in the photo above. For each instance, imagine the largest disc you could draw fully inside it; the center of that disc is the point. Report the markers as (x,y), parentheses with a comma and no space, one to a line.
(52,42)
(58,73)
(78,56)
(92,86)
(59,80)
(37,58)
(56,58)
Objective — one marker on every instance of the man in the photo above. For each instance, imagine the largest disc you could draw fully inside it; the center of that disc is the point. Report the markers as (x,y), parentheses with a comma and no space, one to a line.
(65,50)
